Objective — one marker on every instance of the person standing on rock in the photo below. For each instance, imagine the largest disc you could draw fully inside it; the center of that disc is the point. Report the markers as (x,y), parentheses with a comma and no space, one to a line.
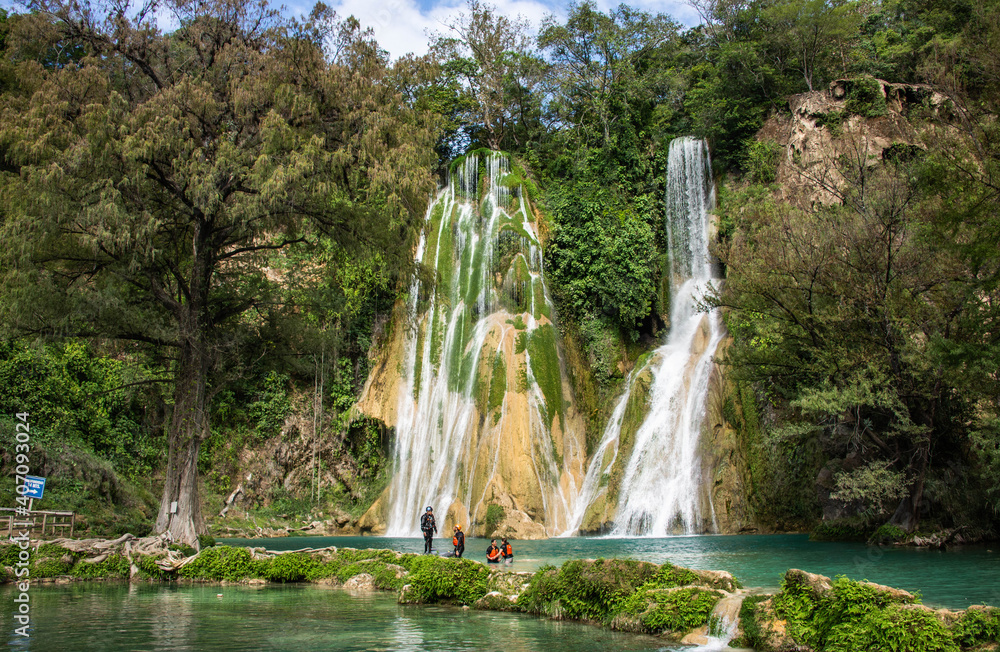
(506,551)
(493,553)
(429,527)
(458,540)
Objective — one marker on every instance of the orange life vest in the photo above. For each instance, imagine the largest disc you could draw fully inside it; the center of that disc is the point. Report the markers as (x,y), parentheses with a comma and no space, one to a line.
(508,552)
(454,541)
(492,553)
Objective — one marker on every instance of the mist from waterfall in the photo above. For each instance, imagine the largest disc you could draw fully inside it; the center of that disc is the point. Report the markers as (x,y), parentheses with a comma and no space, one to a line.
(661,490)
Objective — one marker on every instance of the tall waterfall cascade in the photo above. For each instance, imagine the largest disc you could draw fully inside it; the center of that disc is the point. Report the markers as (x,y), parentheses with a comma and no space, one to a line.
(482,411)
(656,473)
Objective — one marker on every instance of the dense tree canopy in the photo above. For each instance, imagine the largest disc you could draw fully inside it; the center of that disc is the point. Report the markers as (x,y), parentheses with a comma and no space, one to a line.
(156,174)
(237,201)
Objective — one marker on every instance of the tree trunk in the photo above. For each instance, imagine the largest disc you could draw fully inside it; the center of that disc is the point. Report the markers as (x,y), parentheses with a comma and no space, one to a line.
(907,514)
(180,509)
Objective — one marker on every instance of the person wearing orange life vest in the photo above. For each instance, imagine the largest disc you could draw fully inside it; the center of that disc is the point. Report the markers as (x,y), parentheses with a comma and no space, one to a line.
(506,551)
(458,540)
(493,553)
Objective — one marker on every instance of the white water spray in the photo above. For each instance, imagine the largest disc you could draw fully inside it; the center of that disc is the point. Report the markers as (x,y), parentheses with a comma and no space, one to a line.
(489,293)
(661,490)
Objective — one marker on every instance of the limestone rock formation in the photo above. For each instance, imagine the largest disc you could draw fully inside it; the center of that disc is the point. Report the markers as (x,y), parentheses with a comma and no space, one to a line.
(823,125)
(473,375)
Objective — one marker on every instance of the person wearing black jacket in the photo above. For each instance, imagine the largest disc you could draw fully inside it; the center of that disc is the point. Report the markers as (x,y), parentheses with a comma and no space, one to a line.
(429,527)
(458,540)
(493,553)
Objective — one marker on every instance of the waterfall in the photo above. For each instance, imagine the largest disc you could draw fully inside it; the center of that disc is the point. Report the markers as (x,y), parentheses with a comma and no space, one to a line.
(661,489)
(470,388)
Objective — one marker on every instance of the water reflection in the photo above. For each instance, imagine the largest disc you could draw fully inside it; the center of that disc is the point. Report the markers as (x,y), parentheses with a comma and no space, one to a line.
(303,618)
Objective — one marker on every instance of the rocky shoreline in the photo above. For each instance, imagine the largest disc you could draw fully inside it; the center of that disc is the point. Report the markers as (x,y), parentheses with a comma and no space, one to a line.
(810,612)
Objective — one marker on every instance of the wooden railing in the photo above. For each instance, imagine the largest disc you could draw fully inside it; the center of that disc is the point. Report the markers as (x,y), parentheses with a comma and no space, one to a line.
(57,522)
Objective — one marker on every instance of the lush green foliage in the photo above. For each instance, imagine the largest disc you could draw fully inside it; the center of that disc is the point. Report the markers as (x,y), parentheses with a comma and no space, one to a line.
(979,625)
(677,610)
(437,579)
(622,593)
(856,616)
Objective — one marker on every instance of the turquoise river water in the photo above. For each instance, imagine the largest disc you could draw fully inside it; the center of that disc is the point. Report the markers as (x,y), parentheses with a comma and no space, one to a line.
(117,616)
(956,578)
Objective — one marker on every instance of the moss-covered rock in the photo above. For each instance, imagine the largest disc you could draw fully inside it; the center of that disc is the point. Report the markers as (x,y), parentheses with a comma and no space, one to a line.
(813,612)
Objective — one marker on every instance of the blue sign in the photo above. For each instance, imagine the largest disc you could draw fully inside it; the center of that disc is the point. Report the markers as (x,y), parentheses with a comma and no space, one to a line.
(34,486)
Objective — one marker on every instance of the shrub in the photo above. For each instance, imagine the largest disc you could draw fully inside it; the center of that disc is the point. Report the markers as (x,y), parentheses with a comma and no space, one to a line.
(494,517)
(888,534)
(289,567)
(50,567)
(753,636)
(437,579)
(678,610)
(865,98)
(853,616)
(761,160)
(222,563)
(896,627)
(114,567)
(978,626)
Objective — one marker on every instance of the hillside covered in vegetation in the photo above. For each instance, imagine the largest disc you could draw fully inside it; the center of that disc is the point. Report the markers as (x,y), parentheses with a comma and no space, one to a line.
(206,234)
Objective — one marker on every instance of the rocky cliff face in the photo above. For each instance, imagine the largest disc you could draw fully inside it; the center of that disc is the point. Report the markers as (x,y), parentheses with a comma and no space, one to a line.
(864,117)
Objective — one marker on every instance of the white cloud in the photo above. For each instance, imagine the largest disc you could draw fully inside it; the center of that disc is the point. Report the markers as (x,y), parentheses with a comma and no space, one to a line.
(401,26)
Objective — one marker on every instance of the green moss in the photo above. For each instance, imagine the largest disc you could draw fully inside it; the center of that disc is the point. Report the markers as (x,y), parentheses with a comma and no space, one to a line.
(465,266)
(494,517)
(522,379)
(475,283)
(445,260)
(636,409)
(753,634)
(438,330)
(463,332)
(498,385)
(541,307)
(545,369)
(418,365)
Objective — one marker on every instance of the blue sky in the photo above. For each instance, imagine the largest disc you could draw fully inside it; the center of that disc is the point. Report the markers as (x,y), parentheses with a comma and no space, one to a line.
(401,26)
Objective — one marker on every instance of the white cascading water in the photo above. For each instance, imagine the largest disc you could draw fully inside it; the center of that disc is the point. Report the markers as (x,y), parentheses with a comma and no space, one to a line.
(661,489)
(466,242)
